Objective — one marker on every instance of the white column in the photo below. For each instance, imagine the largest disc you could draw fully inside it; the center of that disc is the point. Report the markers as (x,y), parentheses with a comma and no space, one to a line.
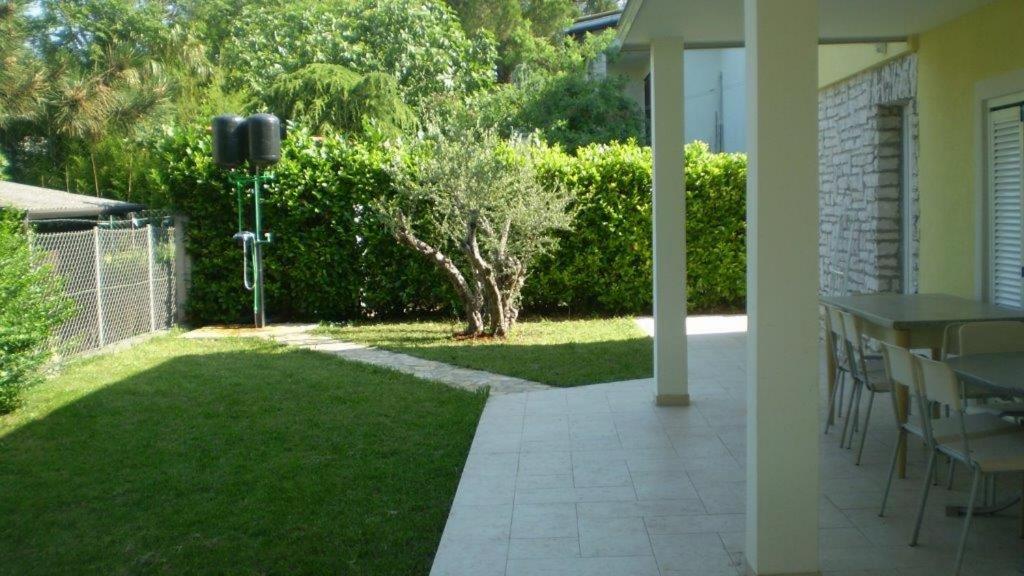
(669,215)
(782,281)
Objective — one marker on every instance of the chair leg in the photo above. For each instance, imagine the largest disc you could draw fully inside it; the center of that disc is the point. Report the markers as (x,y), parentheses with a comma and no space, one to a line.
(855,407)
(849,414)
(967,522)
(839,396)
(924,497)
(837,391)
(892,470)
(852,416)
(1020,520)
(864,432)
(949,475)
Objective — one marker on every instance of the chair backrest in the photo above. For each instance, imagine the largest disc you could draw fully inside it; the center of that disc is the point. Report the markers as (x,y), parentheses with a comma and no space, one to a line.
(835,322)
(899,369)
(851,330)
(855,347)
(951,340)
(899,366)
(938,382)
(991,337)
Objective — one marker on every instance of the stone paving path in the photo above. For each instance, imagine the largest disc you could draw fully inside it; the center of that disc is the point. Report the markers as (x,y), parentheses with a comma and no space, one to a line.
(301,335)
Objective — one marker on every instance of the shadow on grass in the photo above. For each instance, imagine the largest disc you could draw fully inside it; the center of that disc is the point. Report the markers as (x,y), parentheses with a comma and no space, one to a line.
(260,461)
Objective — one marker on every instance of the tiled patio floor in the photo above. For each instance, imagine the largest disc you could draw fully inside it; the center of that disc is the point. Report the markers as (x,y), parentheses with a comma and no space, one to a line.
(597,481)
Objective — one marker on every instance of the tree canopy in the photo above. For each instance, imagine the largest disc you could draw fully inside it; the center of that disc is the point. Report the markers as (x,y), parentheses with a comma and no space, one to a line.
(88,88)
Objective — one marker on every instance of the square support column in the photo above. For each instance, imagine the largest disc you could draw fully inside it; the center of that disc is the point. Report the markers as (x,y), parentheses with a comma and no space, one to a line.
(669,214)
(782,282)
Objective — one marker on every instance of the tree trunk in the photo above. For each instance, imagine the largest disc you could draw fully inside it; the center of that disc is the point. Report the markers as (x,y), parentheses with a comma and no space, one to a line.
(95,175)
(485,276)
(468,295)
(512,279)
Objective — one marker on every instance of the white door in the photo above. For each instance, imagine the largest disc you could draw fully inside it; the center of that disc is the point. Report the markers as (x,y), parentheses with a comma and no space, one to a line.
(1006,170)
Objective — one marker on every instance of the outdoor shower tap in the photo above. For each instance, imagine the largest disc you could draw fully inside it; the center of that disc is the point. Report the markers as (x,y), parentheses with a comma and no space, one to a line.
(257,141)
(247,240)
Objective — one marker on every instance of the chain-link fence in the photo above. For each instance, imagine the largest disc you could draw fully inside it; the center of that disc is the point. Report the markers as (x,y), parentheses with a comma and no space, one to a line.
(122,283)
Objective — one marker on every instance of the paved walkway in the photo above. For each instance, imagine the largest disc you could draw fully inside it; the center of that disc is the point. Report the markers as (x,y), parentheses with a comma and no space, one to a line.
(598,481)
(301,335)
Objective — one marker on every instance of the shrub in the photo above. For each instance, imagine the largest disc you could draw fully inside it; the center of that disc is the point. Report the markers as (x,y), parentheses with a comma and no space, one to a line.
(330,259)
(335,259)
(604,265)
(32,305)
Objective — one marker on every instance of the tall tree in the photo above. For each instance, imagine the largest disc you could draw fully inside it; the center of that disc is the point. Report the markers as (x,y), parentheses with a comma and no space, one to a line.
(22,77)
(420,43)
(597,6)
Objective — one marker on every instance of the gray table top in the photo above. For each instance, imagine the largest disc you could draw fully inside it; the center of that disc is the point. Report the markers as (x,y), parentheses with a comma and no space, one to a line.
(1004,371)
(910,311)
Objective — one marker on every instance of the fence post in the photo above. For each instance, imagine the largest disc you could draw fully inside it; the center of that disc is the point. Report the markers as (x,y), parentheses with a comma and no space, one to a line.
(182,268)
(151,261)
(98,259)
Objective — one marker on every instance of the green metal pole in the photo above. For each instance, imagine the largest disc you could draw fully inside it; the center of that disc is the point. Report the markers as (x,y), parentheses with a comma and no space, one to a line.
(258,308)
(239,187)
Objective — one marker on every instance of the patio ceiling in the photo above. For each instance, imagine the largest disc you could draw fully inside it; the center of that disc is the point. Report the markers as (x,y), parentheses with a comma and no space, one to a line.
(719,23)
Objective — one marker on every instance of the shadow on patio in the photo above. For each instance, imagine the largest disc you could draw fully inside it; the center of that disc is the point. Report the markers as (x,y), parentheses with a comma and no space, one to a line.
(597,480)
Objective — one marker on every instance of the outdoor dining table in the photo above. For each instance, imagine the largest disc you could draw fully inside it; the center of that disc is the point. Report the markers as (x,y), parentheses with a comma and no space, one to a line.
(913,321)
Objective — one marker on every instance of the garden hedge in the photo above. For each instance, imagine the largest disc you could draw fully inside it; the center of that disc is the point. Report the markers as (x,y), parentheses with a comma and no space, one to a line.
(604,264)
(32,306)
(331,259)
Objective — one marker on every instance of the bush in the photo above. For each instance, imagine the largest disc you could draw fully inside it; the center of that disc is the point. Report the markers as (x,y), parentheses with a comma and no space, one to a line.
(333,259)
(330,259)
(32,305)
(604,265)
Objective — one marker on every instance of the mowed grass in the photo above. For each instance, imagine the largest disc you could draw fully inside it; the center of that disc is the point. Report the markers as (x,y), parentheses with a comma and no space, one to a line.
(229,457)
(555,352)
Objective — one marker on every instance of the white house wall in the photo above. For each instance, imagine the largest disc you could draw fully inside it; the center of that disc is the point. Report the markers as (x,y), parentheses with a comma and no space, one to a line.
(734,100)
(715,92)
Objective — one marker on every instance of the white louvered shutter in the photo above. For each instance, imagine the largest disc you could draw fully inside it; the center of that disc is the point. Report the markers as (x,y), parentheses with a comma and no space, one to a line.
(1006,173)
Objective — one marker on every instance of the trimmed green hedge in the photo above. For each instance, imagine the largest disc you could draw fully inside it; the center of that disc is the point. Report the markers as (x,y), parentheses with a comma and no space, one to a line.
(32,306)
(604,264)
(331,259)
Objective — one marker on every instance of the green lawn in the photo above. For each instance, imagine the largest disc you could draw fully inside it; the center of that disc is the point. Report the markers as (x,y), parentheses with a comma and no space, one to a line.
(560,353)
(229,457)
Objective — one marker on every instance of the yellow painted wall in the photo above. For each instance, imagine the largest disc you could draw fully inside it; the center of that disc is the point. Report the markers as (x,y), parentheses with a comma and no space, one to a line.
(951,60)
(839,61)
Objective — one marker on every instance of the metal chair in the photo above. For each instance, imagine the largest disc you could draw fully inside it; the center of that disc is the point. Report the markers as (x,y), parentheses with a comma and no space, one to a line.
(899,367)
(834,325)
(988,455)
(865,376)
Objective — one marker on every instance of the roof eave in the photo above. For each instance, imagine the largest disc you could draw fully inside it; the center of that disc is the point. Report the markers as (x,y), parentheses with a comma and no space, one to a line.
(626,21)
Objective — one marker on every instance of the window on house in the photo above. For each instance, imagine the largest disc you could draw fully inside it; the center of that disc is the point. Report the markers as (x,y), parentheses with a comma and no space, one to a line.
(1005,173)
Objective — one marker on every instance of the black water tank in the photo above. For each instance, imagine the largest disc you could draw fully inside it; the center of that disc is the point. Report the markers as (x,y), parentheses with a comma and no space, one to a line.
(230,141)
(264,139)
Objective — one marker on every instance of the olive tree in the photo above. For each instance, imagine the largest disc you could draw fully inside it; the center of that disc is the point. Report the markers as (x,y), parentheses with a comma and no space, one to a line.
(471,203)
